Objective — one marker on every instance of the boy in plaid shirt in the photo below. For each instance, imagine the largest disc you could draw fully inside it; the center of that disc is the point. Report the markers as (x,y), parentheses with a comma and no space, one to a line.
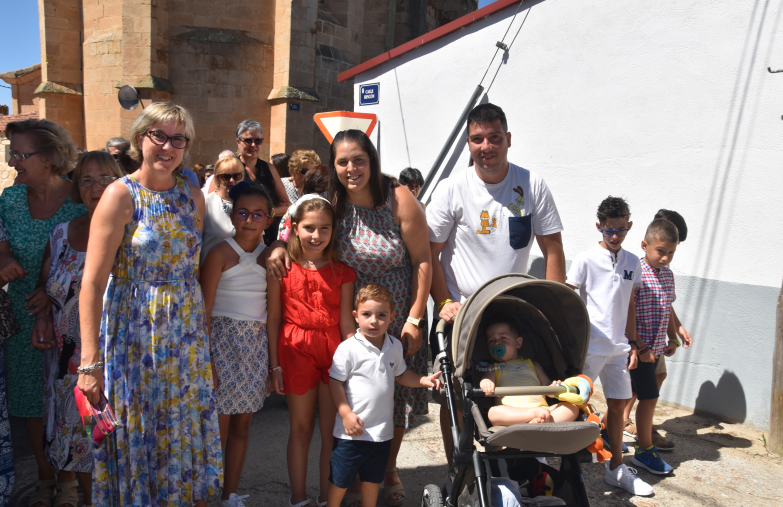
(653,309)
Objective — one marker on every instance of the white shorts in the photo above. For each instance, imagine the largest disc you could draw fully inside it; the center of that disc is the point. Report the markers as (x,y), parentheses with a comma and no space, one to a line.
(613,372)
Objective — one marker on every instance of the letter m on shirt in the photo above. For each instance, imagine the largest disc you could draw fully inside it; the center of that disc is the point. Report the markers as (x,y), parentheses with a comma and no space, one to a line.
(628,275)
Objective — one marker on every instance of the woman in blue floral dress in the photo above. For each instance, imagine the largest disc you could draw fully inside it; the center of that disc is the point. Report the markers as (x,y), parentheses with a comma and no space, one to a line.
(145,341)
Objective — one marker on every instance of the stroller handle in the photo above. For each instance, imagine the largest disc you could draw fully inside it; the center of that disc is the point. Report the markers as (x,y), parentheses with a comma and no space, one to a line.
(525,391)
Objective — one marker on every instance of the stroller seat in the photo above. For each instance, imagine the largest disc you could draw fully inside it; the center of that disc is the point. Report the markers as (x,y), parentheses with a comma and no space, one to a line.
(554,438)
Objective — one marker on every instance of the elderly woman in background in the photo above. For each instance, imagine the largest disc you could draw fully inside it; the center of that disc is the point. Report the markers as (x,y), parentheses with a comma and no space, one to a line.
(144,335)
(250,135)
(300,163)
(280,161)
(217,221)
(41,152)
(66,443)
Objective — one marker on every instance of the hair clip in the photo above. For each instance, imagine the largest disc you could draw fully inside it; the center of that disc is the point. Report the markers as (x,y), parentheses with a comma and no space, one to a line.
(308,197)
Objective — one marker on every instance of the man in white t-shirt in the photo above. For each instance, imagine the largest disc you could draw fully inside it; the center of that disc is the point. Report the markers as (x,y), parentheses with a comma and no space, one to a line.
(482,222)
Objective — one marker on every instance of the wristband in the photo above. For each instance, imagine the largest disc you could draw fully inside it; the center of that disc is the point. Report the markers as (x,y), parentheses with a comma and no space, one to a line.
(675,341)
(444,303)
(276,368)
(643,350)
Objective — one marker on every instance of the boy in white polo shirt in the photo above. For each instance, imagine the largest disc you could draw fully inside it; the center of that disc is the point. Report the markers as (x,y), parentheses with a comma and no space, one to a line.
(605,277)
(362,376)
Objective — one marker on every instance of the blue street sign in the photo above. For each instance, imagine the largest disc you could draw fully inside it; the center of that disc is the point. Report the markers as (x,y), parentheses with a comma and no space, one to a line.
(368,94)
(294,106)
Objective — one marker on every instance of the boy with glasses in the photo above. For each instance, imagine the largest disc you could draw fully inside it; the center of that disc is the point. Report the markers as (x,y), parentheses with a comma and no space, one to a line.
(605,277)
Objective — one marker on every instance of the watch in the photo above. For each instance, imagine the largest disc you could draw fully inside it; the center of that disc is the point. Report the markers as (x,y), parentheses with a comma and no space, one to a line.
(417,322)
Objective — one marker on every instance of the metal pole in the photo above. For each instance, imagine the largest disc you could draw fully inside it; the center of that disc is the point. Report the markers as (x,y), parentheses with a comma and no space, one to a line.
(775,443)
(454,133)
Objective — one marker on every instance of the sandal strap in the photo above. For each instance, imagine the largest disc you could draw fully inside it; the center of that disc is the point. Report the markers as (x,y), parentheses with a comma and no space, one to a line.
(65,494)
(391,470)
(43,492)
(390,490)
(300,504)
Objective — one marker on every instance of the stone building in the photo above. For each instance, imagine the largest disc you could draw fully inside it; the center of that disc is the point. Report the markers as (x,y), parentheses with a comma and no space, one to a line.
(275,61)
(24,104)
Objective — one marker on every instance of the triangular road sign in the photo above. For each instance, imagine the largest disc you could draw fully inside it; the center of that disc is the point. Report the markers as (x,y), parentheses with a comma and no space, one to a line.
(336,121)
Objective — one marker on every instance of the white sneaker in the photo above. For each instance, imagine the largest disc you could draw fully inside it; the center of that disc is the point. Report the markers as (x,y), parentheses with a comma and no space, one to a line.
(234,501)
(625,477)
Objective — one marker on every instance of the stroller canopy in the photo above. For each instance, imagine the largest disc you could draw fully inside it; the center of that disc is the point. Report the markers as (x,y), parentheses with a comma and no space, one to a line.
(551,315)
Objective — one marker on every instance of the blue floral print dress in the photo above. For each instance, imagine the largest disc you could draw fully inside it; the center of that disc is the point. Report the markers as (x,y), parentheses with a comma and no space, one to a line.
(158,376)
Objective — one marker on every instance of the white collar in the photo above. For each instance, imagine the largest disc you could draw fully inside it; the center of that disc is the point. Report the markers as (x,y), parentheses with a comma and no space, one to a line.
(364,341)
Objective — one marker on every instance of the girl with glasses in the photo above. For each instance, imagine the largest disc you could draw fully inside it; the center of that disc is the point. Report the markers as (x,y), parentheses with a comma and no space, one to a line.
(217,221)
(233,278)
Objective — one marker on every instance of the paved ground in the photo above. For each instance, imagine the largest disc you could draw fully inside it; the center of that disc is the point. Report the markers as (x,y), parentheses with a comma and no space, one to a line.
(717,464)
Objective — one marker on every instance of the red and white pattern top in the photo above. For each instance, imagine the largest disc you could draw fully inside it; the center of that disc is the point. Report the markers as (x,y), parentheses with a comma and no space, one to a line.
(654,306)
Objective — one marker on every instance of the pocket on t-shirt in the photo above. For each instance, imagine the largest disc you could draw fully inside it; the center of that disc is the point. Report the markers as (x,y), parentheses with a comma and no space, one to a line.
(519,231)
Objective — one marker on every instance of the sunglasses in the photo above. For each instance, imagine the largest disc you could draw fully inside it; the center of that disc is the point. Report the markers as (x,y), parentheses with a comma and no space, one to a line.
(608,233)
(258,216)
(88,181)
(226,177)
(251,141)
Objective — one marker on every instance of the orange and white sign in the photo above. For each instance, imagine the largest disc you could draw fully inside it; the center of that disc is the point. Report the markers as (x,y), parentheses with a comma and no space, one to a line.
(336,121)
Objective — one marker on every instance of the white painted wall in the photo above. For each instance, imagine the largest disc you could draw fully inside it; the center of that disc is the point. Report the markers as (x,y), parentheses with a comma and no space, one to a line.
(668,104)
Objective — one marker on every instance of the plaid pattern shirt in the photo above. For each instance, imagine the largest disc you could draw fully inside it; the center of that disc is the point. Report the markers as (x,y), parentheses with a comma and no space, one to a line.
(654,306)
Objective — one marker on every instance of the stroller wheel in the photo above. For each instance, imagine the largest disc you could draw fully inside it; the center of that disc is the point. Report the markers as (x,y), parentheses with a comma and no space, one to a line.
(432,496)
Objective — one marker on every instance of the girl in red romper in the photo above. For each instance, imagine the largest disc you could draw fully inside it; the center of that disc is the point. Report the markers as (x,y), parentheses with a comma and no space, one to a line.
(309,314)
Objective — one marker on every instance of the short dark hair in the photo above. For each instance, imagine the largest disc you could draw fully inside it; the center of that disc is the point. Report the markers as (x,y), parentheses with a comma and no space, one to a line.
(613,207)
(373,292)
(676,219)
(411,175)
(315,182)
(280,161)
(245,189)
(487,113)
(661,229)
(500,319)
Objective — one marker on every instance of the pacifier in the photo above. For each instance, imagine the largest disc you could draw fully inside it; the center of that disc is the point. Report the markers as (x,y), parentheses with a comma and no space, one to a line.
(498,352)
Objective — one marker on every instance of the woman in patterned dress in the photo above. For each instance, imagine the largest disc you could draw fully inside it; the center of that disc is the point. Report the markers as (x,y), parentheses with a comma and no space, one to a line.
(382,235)
(144,342)
(41,153)
(66,444)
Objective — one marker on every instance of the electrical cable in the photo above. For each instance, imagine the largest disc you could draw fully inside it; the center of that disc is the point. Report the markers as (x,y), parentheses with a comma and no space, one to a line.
(500,45)
(4,86)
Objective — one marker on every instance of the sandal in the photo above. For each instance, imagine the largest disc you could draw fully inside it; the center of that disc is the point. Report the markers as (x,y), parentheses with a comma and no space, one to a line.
(352,499)
(300,504)
(43,492)
(66,495)
(319,503)
(398,488)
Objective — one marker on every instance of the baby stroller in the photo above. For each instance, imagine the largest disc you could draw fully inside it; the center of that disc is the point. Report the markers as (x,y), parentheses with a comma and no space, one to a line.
(556,328)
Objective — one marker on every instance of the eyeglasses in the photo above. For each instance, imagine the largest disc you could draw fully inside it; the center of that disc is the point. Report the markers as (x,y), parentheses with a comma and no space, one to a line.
(608,233)
(226,177)
(116,156)
(88,181)
(258,216)
(251,141)
(159,138)
(18,156)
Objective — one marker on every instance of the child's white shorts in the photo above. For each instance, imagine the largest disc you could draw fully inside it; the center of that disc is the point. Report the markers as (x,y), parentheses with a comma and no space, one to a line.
(613,372)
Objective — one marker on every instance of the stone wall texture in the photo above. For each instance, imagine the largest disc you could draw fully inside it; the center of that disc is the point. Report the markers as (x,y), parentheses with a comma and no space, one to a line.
(224,61)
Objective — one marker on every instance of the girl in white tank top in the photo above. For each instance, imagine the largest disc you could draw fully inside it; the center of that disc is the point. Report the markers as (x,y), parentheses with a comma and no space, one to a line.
(511,370)
(233,280)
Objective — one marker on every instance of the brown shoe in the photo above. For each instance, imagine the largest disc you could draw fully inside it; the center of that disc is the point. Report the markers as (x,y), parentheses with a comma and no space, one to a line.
(661,442)
(630,429)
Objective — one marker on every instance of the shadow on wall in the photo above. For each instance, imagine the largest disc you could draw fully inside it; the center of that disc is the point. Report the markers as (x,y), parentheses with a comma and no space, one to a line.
(728,397)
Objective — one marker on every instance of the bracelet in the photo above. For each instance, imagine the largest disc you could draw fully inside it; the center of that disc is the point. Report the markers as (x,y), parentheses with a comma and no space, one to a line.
(90,368)
(276,368)
(444,303)
(676,342)
(644,349)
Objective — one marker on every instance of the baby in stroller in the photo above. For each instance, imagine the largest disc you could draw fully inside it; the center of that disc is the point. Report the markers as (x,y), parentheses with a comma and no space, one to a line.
(504,342)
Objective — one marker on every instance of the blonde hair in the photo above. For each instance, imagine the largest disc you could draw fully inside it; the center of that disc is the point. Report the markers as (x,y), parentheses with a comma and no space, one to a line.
(313,206)
(228,165)
(155,114)
(301,158)
(373,292)
(105,161)
(51,142)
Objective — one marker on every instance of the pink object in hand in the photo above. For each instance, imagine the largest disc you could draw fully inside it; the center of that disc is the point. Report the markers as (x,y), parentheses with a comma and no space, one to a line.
(99,421)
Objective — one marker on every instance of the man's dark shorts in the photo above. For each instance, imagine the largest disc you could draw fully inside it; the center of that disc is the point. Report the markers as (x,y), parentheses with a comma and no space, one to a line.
(351,457)
(643,380)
